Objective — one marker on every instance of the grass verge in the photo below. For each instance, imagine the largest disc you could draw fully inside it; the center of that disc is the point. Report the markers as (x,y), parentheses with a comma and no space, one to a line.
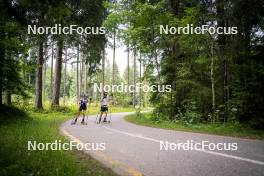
(233,130)
(16,129)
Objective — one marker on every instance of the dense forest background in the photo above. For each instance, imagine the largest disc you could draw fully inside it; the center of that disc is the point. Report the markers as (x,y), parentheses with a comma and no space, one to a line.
(214,78)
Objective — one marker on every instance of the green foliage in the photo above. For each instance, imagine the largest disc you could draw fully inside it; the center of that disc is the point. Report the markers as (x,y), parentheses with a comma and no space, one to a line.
(16,159)
(13,48)
(185,61)
(189,115)
(227,129)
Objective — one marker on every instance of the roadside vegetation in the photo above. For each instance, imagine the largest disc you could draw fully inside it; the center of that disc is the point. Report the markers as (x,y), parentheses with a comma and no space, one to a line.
(18,127)
(226,129)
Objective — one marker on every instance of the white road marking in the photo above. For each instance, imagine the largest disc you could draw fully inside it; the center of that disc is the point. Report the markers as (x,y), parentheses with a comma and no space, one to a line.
(233,156)
(205,151)
(132,135)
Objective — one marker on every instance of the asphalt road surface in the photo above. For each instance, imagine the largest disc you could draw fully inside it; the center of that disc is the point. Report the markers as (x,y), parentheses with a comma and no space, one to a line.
(136,150)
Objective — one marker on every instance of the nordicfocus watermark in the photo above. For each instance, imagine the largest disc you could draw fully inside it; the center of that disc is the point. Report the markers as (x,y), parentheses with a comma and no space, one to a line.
(203,145)
(191,29)
(58,29)
(59,145)
(131,88)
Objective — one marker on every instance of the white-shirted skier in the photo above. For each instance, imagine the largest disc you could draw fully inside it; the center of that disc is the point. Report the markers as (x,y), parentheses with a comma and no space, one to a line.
(104,107)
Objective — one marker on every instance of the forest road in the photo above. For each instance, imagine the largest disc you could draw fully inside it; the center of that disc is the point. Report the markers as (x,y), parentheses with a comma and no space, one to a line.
(137,150)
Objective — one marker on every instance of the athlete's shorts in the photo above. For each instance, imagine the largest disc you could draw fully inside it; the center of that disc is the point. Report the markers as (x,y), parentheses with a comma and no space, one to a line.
(104,108)
(82,108)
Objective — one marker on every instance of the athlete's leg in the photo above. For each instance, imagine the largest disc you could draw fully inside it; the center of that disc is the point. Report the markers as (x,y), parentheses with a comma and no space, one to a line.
(101,114)
(83,112)
(105,116)
(100,118)
(105,110)
(76,116)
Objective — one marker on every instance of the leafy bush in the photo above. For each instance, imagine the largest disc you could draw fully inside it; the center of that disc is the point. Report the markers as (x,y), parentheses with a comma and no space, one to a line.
(189,114)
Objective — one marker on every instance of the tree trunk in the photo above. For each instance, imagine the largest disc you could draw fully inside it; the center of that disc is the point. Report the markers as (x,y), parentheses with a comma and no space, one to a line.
(134,80)
(89,84)
(225,88)
(2,57)
(45,54)
(81,75)
(77,75)
(113,70)
(103,70)
(157,65)
(144,82)
(140,91)
(8,99)
(65,76)
(221,21)
(128,83)
(29,79)
(212,80)
(96,93)
(51,68)
(57,80)
(128,53)
(85,78)
(221,42)
(44,78)
(38,83)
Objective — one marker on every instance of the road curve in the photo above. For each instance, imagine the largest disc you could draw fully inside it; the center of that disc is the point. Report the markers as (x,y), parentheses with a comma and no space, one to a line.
(135,150)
